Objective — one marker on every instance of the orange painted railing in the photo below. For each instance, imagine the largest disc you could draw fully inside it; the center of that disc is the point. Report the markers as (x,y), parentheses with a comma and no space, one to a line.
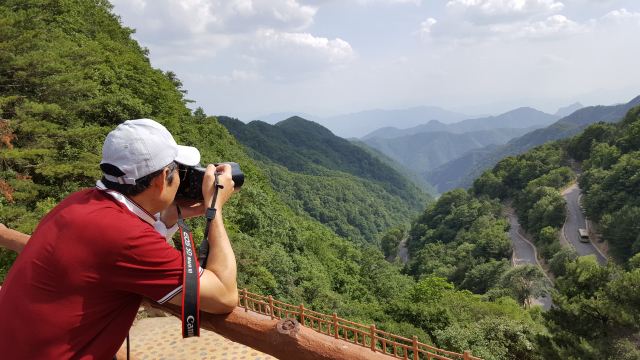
(364,335)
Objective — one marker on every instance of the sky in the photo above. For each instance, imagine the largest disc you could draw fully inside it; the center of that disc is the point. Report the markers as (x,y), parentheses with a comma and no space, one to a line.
(248,58)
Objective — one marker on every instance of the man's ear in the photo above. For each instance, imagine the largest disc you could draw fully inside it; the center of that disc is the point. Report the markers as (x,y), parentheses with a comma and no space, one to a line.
(160,181)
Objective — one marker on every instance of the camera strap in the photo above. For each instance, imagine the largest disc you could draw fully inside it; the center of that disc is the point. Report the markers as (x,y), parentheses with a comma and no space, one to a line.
(210,214)
(190,282)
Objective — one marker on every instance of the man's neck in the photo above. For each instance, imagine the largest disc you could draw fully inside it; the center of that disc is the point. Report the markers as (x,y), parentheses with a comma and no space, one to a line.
(147,202)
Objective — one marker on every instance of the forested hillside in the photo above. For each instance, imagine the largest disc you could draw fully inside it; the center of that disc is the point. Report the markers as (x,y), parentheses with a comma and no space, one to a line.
(610,154)
(595,308)
(327,177)
(533,181)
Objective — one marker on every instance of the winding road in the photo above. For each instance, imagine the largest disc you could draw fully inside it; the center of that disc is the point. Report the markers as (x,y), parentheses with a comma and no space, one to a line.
(575,221)
(524,252)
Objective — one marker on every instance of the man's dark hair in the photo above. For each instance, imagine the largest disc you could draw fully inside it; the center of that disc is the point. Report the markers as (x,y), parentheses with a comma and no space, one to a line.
(141,184)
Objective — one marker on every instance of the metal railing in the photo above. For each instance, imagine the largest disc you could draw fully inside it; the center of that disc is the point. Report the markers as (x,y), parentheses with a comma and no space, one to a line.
(363,335)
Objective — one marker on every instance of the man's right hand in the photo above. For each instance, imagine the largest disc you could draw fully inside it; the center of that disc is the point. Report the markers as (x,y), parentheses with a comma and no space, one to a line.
(224,179)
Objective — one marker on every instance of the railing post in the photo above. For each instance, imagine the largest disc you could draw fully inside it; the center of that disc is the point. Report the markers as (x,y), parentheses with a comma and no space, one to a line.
(302,314)
(416,355)
(373,337)
(271,307)
(335,324)
(466,355)
(246,302)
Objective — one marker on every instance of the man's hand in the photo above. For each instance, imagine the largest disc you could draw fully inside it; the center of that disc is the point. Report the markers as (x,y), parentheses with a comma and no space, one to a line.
(224,179)
(193,208)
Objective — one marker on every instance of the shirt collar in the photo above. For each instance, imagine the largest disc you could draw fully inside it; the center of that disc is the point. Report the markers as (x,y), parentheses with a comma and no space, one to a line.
(130,204)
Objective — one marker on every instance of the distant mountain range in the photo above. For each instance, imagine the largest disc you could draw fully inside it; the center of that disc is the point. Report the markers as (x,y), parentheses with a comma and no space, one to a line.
(521,118)
(425,151)
(462,171)
(361,123)
(423,148)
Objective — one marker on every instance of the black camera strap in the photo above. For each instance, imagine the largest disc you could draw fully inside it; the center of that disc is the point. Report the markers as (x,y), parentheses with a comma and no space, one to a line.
(210,214)
(190,282)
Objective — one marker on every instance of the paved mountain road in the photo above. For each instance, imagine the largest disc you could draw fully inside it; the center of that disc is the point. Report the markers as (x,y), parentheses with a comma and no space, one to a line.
(575,221)
(524,252)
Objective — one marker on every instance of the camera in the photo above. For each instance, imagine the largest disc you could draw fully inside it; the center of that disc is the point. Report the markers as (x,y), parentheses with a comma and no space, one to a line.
(191,180)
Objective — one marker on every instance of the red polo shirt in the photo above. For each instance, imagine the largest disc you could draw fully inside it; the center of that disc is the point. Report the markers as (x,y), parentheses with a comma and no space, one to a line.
(75,289)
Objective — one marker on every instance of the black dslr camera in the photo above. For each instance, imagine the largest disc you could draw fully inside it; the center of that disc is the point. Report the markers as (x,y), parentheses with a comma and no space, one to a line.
(191,180)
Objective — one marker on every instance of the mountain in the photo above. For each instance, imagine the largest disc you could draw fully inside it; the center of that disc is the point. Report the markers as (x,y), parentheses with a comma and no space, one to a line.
(521,118)
(277,117)
(451,175)
(361,123)
(568,110)
(329,178)
(427,150)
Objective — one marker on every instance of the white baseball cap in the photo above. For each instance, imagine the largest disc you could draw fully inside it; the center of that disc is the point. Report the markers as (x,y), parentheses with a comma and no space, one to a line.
(140,147)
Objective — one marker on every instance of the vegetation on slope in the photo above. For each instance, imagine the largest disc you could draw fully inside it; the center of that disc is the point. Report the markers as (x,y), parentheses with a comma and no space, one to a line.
(610,154)
(595,308)
(327,177)
(533,181)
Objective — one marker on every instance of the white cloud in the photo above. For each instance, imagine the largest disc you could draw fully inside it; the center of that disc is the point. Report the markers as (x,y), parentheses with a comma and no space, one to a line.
(286,55)
(497,20)
(552,26)
(177,18)
(234,77)
(258,35)
(425,26)
(622,15)
(491,11)
(300,44)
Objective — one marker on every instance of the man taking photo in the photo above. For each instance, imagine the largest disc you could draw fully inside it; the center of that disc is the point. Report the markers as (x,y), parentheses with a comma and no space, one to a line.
(76,287)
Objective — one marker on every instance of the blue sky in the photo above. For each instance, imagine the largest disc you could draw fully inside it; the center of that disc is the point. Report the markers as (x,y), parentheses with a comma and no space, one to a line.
(246,58)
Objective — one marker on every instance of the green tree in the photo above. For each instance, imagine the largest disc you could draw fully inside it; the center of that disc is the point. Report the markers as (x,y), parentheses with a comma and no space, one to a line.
(622,230)
(595,314)
(603,156)
(391,240)
(559,261)
(525,283)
